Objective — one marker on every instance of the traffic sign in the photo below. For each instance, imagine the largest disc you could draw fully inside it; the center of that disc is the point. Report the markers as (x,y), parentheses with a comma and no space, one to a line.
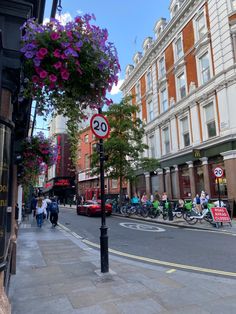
(100,126)
(218,172)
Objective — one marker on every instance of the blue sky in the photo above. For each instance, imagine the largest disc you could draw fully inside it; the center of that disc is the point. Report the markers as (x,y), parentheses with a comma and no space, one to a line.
(128,23)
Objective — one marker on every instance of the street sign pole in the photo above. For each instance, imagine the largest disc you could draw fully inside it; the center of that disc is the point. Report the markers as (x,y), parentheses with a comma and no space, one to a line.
(219,173)
(218,184)
(103,229)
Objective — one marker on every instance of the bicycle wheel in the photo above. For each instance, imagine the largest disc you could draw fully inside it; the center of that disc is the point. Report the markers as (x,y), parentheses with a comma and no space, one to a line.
(123,210)
(164,216)
(144,212)
(178,214)
(190,220)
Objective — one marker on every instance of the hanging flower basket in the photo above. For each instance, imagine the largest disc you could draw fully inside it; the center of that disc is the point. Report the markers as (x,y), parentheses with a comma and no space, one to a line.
(38,154)
(65,64)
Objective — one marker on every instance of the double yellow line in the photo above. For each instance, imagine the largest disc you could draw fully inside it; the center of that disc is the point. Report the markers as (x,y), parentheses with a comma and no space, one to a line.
(167,264)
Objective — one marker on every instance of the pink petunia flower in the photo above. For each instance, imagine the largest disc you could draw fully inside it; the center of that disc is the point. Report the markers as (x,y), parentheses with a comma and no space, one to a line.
(65,75)
(43,74)
(35,78)
(52,78)
(43,51)
(56,53)
(55,36)
(57,65)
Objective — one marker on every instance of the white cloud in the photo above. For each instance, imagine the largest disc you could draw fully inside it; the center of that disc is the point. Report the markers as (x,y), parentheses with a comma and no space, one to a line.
(116,89)
(64,18)
(80,12)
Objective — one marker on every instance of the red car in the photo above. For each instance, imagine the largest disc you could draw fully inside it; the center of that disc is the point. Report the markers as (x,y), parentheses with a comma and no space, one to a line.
(92,208)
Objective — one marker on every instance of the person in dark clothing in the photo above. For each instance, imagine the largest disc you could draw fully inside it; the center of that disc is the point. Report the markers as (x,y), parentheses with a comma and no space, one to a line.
(54,210)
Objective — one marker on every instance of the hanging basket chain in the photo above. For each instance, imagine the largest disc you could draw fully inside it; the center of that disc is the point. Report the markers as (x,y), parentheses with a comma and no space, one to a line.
(59,8)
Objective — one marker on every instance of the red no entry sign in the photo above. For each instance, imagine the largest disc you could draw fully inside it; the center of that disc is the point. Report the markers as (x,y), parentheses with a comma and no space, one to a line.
(100,126)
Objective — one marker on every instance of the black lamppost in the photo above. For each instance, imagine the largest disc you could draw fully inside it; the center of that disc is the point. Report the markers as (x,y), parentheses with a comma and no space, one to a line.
(103,236)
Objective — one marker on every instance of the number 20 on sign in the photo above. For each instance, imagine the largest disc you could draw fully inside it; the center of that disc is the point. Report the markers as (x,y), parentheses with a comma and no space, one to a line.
(218,172)
(100,126)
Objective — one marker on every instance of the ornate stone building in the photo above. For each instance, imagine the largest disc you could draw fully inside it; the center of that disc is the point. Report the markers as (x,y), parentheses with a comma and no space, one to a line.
(184,82)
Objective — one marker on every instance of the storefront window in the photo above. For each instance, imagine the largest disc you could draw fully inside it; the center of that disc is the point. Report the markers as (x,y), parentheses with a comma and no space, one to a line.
(213,181)
(185,190)
(155,183)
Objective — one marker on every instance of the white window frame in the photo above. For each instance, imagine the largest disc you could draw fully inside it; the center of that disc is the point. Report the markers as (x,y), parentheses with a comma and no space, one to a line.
(149,80)
(186,116)
(164,150)
(86,138)
(204,121)
(177,56)
(180,73)
(161,98)
(150,110)
(114,183)
(152,146)
(196,25)
(160,72)
(199,68)
(138,92)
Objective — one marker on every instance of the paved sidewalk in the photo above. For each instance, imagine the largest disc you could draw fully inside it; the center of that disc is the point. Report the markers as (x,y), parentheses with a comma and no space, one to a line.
(58,273)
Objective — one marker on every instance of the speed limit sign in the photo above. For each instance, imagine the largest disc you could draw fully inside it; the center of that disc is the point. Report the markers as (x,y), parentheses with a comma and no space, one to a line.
(218,172)
(100,126)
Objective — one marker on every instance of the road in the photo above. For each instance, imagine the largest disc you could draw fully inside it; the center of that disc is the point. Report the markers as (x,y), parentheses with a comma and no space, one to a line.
(198,248)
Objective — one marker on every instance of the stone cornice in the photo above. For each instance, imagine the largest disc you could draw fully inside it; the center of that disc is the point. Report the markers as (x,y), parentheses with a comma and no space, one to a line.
(167,35)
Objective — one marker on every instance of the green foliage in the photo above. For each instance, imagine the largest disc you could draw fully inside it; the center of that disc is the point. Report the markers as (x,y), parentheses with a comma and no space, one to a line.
(124,146)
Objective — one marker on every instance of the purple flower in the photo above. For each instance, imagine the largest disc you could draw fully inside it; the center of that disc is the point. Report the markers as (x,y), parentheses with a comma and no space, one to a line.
(37,62)
(71,52)
(29,54)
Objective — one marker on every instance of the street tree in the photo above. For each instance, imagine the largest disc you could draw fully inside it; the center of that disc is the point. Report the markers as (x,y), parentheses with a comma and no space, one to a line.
(125,147)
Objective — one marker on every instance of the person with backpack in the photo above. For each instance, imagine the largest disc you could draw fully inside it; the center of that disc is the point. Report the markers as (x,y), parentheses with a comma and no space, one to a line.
(54,210)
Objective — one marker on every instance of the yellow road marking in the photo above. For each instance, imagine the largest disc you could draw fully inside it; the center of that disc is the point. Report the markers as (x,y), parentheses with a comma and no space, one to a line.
(171,271)
(163,263)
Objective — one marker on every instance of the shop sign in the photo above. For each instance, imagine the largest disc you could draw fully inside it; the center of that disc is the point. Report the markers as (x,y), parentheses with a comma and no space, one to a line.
(62,182)
(197,153)
(5,140)
(220,214)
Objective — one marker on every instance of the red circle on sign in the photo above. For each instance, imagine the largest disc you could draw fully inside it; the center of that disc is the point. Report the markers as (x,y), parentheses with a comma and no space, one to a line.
(100,126)
(218,172)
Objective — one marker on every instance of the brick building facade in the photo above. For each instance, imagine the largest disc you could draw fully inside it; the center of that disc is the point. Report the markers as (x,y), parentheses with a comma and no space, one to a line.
(88,184)
(184,82)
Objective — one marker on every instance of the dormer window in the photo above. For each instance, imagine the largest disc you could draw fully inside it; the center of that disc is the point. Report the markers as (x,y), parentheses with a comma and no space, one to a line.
(174,7)
(137,57)
(147,44)
(129,69)
(159,26)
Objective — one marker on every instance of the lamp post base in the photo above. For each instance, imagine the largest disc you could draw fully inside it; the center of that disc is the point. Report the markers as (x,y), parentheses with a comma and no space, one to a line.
(104,250)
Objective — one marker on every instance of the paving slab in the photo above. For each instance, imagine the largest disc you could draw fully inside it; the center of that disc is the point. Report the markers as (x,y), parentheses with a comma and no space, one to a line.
(58,273)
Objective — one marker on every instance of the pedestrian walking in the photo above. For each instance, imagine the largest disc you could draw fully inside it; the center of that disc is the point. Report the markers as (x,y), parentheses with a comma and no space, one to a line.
(40,211)
(48,202)
(54,210)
